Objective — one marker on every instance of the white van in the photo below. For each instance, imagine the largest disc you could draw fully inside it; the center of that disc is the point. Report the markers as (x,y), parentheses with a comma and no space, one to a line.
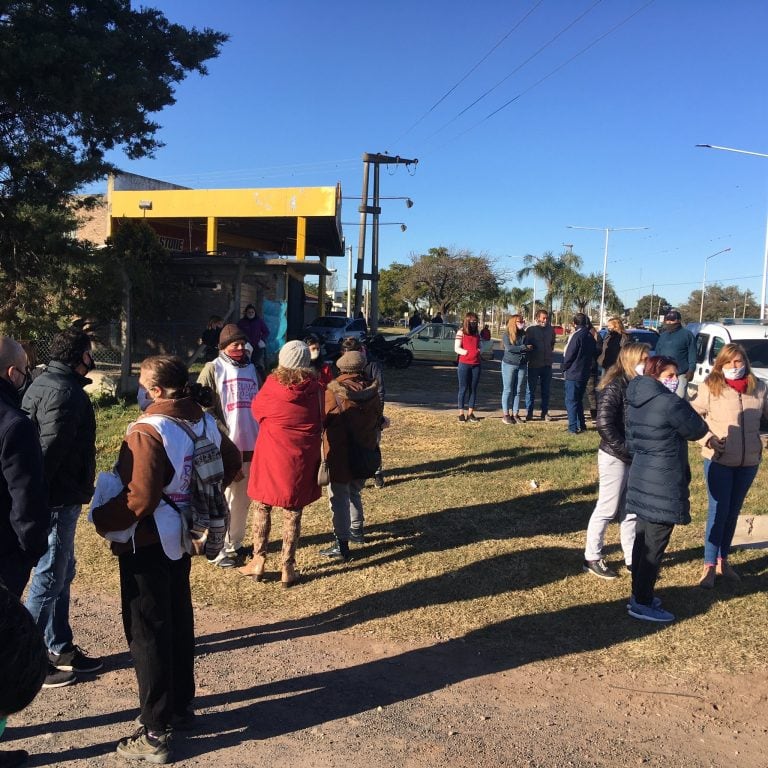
(712,337)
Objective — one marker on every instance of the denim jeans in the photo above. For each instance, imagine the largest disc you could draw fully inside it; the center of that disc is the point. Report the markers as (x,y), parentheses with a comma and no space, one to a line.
(469,376)
(536,375)
(346,508)
(727,487)
(574,404)
(48,597)
(513,380)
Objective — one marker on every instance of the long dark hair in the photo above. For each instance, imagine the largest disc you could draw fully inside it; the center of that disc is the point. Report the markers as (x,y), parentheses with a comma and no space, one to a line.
(468,318)
(171,373)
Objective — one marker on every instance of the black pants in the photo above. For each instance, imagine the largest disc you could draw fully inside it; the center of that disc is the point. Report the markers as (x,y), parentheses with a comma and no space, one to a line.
(651,541)
(14,573)
(159,627)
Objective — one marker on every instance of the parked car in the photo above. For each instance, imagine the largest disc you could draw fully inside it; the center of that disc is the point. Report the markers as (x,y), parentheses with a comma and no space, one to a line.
(435,341)
(712,337)
(643,335)
(331,329)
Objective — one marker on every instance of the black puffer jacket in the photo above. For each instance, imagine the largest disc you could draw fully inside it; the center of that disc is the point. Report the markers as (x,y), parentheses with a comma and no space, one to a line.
(611,407)
(658,425)
(24,516)
(63,415)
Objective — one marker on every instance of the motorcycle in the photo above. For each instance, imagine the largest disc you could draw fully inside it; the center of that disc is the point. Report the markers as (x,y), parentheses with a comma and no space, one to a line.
(390,352)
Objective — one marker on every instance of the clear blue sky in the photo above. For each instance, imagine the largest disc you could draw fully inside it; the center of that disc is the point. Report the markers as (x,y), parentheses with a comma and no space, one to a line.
(302,89)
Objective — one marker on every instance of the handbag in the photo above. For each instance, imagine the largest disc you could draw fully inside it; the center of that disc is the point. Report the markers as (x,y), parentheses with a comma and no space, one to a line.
(323,473)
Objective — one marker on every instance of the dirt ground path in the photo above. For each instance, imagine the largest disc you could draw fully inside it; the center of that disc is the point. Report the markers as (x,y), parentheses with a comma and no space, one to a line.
(272,691)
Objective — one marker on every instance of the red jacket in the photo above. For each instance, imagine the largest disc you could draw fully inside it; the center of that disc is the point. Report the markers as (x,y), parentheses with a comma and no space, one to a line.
(287,452)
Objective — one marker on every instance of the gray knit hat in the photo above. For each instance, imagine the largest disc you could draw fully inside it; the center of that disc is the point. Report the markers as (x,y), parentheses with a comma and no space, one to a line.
(294,354)
(351,362)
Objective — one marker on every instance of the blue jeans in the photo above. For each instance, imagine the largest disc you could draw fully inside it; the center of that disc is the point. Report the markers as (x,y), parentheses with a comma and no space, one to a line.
(513,380)
(48,597)
(469,376)
(727,487)
(574,404)
(536,375)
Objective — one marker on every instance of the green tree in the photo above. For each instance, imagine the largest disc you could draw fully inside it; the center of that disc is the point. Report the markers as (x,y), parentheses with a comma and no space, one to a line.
(392,302)
(719,302)
(451,280)
(649,306)
(80,79)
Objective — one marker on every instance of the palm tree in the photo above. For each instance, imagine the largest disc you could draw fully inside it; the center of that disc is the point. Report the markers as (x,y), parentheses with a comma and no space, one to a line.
(550,269)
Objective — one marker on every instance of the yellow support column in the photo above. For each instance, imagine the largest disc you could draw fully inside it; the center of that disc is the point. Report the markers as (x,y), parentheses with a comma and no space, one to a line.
(213,235)
(301,238)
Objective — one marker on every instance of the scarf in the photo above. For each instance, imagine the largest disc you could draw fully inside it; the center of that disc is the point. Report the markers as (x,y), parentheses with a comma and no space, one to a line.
(740,385)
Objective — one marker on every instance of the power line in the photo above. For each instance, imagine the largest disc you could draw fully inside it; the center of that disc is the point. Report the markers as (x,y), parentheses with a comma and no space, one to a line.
(568,61)
(516,69)
(471,70)
(550,74)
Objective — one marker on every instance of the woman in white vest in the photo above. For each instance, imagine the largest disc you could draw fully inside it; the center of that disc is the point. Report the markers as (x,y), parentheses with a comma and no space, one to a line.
(234,380)
(155,464)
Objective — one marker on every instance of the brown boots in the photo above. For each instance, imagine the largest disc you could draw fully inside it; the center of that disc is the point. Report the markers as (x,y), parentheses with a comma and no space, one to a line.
(262,523)
(291,534)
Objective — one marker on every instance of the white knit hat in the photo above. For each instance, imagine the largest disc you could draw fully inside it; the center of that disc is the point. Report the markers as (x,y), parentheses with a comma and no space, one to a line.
(294,354)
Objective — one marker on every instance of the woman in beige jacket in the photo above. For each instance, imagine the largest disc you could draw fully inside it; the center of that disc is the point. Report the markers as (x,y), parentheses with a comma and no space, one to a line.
(731,400)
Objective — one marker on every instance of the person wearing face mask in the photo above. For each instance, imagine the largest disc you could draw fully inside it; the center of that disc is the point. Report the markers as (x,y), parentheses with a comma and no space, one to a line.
(24,515)
(62,412)
(234,381)
(679,344)
(158,620)
(467,347)
(732,400)
(658,426)
(613,461)
(323,371)
(513,367)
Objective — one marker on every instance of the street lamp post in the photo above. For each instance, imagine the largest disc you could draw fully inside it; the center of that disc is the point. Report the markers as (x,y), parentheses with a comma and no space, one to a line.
(607,231)
(704,280)
(765,248)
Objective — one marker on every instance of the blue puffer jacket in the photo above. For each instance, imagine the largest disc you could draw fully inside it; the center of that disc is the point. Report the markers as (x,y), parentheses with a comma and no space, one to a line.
(658,425)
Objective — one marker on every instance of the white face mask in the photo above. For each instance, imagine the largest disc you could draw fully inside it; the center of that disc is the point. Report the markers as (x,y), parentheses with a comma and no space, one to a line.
(734,373)
(314,353)
(639,368)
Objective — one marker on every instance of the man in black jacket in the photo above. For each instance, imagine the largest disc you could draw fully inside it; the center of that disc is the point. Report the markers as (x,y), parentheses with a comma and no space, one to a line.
(63,415)
(577,363)
(24,516)
(541,338)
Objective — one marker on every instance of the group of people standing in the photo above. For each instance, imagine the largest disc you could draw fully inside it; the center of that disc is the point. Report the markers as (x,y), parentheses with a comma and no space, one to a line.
(645,421)
(270,433)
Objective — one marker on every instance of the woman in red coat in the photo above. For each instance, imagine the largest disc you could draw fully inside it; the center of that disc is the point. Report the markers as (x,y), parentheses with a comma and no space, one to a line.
(286,457)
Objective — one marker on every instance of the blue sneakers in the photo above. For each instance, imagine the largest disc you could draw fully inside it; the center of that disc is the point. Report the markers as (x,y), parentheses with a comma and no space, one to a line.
(652,612)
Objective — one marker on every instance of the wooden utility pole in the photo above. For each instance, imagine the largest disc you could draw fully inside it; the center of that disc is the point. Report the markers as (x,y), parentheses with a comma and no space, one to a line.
(375,210)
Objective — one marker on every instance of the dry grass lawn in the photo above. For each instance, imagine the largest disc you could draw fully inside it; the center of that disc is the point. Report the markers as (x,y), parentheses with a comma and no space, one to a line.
(461,546)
